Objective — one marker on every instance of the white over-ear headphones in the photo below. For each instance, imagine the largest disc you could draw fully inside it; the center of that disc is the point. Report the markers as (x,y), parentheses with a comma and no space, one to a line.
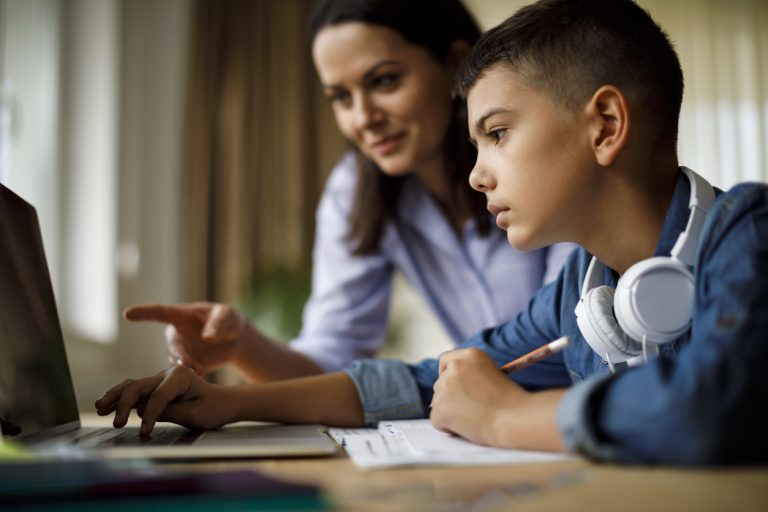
(653,300)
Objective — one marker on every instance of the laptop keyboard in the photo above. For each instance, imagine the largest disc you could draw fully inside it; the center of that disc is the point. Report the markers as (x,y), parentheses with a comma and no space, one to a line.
(129,436)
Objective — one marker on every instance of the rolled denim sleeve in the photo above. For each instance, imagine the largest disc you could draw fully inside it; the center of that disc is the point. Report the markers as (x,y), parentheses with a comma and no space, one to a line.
(576,423)
(387,390)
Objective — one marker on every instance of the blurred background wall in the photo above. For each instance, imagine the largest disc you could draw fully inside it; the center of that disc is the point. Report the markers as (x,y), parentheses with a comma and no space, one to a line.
(176,149)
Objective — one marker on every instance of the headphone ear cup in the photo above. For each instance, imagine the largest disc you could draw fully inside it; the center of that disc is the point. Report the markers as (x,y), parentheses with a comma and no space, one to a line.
(654,298)
(599,327)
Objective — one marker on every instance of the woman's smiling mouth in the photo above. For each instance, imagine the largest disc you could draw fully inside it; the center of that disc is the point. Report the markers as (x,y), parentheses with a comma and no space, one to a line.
(388,144)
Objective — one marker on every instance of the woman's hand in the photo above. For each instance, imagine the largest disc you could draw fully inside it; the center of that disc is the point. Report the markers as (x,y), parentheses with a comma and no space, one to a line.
(201,336)
(177,395)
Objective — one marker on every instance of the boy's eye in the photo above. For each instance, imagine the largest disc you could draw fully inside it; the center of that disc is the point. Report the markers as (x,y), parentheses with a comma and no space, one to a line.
(497,134)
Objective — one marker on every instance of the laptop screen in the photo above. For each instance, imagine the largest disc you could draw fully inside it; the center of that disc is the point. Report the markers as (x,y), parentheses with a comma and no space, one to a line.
(36,392)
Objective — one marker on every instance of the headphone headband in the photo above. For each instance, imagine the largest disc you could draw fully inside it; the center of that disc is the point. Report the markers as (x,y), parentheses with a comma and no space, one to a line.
(594,277)
(702,197)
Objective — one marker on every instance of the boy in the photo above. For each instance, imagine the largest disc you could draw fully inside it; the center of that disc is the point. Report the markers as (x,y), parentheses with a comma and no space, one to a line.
(573,106)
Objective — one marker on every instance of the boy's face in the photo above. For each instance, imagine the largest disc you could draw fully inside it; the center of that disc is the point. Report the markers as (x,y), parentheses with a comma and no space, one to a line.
(533,159)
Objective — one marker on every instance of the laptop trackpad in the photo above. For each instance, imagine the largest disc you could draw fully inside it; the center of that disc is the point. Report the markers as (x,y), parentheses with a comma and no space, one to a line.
(265,434)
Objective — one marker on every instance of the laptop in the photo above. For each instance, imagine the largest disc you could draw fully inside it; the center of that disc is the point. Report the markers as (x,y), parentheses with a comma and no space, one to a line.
(38,407)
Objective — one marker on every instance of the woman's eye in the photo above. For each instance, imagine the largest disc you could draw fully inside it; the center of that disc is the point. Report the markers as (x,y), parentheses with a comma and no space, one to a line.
(385,80)
(338,97)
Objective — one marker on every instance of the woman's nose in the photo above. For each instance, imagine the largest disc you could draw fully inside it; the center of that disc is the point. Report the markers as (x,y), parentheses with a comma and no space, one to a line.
(366,113)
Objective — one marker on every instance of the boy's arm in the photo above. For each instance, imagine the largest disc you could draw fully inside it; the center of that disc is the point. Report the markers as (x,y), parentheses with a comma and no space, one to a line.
(391,389)
(368,391)
(330,399)
(180,396)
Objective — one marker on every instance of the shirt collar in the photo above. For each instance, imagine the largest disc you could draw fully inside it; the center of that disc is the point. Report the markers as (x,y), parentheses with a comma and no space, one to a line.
(677,216)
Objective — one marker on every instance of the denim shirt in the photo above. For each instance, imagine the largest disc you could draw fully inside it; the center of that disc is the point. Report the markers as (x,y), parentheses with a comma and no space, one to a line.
(469,282)
(701,401)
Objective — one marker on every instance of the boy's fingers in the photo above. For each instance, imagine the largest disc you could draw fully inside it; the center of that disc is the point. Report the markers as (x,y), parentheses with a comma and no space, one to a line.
(173,412)
(441,428)
(131,395)
(176,412)
(446,358)
(140,407)
(157,401)
(175,384)
(108,400)
(105,411)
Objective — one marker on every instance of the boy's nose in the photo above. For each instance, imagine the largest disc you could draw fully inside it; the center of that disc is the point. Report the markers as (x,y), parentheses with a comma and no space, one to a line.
(480,179)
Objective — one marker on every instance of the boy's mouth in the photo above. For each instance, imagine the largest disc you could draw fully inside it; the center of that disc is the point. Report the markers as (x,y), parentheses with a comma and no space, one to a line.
(498,212)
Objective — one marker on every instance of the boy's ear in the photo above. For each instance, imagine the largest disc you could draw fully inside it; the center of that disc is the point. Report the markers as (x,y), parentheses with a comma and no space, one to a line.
(609,115)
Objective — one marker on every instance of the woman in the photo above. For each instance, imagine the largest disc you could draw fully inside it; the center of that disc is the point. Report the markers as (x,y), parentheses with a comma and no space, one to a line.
(399,200)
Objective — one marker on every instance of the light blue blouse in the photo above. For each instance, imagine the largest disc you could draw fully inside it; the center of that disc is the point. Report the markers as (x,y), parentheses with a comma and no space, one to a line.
(470,282)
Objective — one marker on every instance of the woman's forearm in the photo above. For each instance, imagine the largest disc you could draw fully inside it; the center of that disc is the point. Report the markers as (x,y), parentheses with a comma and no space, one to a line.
(260,359)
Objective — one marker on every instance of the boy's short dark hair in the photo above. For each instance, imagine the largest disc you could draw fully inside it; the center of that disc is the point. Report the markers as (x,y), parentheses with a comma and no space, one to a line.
(569,48)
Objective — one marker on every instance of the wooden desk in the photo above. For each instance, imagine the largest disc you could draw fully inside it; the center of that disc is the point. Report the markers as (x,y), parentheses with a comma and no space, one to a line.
(569,486)
(563,486)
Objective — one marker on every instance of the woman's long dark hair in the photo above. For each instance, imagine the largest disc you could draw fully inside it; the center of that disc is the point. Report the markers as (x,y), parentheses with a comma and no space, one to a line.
(433,25)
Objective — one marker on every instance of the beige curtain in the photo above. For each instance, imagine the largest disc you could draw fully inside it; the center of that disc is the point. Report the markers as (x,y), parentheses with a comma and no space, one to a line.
(723,48)
(260,142)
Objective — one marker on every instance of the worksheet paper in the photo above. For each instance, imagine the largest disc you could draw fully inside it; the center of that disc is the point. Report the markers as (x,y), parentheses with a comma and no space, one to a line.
(418,443)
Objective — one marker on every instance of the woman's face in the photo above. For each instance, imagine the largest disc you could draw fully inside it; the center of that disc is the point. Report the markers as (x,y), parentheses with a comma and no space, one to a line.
(390,97)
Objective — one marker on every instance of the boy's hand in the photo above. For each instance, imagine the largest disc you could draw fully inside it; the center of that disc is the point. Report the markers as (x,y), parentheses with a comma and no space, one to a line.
(475,399)
(469,395)
(177,395)
(201,336)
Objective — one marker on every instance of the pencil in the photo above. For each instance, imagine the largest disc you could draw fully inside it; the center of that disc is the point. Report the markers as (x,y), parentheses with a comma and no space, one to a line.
(551,348)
